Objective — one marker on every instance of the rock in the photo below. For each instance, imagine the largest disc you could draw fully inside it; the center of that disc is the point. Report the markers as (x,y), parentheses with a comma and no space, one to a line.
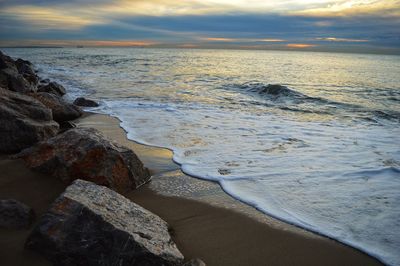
(62,111)
(194,262)
(44,81)
(22,65)
(93,225)
(23,122)
(25,68)
(84,153)
(64,126)
(85,102)
(52,87)
(15,215)
(12,79)
(7,62)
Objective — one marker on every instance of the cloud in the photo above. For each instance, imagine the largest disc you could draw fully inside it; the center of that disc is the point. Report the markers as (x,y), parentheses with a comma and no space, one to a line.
(91,43)
(270,40)
(324,23)
(300,45)
(333,39)
(49,18)
(239,40)
(217,39)
(110,8)
(354,8)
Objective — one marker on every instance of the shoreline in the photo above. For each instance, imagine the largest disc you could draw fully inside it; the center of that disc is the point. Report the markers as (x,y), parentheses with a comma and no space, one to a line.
(170,184)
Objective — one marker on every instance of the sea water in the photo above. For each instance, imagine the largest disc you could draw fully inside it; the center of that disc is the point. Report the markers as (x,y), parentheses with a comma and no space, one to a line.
(321,151)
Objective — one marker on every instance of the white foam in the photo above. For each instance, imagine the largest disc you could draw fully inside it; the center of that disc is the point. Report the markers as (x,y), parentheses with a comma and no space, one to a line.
(313,175)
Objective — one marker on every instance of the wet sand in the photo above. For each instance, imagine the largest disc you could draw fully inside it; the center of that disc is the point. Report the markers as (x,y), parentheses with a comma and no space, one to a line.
(205,222)
(35,190)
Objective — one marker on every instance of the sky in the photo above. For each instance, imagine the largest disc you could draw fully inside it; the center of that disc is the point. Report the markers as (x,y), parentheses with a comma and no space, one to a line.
(324,25)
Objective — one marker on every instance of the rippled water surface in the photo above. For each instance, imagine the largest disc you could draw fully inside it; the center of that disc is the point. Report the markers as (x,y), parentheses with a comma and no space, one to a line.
(322,152)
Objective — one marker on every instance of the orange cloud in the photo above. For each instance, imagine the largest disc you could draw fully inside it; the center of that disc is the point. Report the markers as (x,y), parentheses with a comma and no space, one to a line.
(300,45)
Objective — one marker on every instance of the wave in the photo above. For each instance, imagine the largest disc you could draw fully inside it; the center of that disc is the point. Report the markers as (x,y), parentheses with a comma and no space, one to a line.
(287,99)
(280,94)
(273,91)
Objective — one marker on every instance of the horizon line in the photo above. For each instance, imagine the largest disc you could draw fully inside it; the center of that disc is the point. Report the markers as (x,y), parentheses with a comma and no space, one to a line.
(317,49)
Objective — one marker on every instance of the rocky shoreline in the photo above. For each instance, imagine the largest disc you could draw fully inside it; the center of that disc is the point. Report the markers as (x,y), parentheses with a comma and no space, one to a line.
(90,223)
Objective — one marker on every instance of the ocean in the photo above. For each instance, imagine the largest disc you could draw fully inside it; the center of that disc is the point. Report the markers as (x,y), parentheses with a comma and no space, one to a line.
(320,151)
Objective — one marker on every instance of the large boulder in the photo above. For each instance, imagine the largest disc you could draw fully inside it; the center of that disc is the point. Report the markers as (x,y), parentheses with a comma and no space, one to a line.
(12,79)
(85,102)
(7,62)
(93,225)
(15,215)
(52,87)
(84,153)
(23,122)
(26,69)
(62,111)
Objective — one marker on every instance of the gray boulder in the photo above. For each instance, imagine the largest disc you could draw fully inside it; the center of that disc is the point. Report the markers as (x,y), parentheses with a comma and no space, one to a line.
(7,62)
(84,153)
(14,81)
(23,122)
(26,69)
(11,77)
(85,102)
(15,215)
(62,111)
(93,225)
(52,87)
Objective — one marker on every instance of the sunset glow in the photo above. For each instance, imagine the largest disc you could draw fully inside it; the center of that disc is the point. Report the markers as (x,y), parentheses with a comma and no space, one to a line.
(300,45)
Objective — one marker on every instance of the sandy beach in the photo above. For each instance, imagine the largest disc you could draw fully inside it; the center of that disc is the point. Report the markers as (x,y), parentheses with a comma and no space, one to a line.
(205,222)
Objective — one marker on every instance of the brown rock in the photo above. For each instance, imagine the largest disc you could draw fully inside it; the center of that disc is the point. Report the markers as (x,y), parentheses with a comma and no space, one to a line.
(23,122)
(62,111)
(52,87)
(12,79)
(85,102)
(84,153)
(25,68)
